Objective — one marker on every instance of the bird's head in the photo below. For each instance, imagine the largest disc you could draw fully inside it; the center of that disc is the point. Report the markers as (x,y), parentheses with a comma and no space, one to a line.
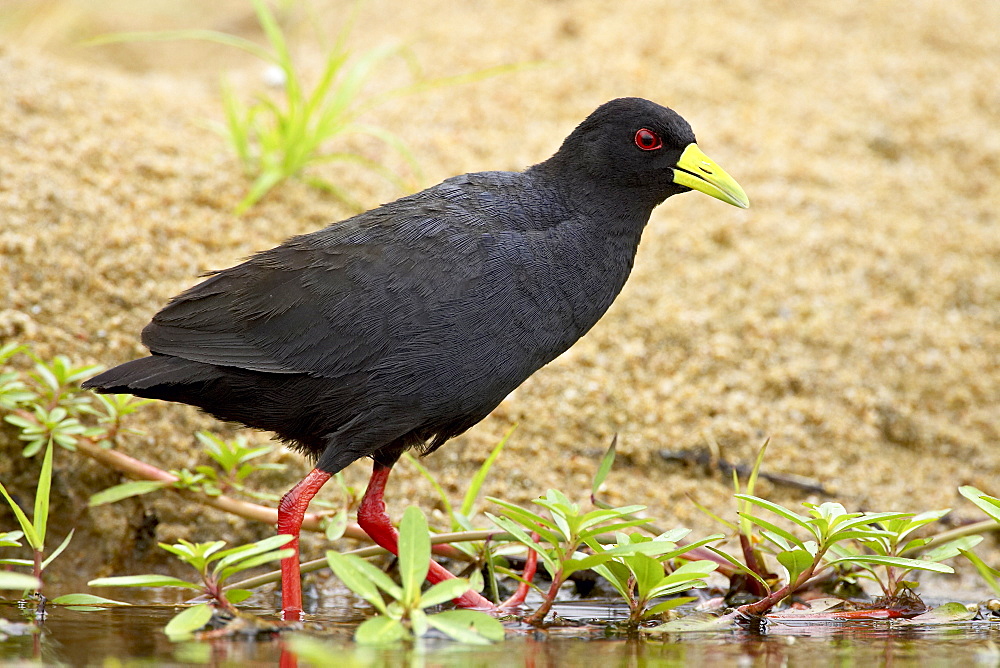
(638,146)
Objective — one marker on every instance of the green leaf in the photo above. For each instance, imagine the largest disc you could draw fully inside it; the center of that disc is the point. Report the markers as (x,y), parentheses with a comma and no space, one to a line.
(58,550)
(901,562)
(988,504)
(253,562)
(952,548)
(795,562)
(605,467)
(989,574)
(41,517)
(348,568)
(468,626)
(236,596)
(669,604)
(868,518)
(618,575)
(18,421)
(10,349)
(688,576)
(22,519)
(11,580)
(18,562)
(11,538)
(142,581)
(773,528)
(741,567)
(684,549)
(527,518)
(757,464)
(521,536)
(380,631)
(444,591)
(85,599)
(648,573)
(126,490)
(188,621)
(335,526)
(789,515)
(414,553)
(595,517)
(612,528)
(242,553)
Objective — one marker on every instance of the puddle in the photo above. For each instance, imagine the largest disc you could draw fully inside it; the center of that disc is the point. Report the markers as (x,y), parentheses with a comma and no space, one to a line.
(134,636)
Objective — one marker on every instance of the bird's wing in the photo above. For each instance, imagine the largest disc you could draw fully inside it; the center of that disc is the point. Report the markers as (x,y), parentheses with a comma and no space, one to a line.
(335,301)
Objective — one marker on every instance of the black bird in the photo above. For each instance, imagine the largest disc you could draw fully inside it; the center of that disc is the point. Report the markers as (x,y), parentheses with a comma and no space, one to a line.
(405,325)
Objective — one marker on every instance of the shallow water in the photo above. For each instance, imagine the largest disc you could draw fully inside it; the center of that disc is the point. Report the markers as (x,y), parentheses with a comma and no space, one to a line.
(134,636)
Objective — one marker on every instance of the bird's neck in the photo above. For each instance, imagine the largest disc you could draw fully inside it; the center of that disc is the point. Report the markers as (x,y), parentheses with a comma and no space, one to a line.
(607,212)
(592,242)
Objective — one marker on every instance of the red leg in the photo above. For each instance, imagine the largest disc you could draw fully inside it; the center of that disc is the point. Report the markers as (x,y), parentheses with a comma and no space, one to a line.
(374,520)
(291,510)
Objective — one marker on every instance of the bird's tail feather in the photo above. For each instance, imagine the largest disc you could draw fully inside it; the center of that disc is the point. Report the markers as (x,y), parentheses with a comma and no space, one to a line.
(147,373)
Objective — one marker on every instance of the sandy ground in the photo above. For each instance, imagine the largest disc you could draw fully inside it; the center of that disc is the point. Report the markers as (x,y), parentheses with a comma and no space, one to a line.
(850,316)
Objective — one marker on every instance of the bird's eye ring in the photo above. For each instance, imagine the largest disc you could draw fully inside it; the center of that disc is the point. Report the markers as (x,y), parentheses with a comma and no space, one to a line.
(648,140)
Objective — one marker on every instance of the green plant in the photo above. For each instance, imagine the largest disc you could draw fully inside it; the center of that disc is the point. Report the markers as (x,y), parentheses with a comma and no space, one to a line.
(279,137)
(896,553)
(45,427)
(827,524)
(214,566)
(641,577)
(564,531)
(110,410)
(34,530)
(406,616)
(234,458)
(46,404)
(56,382)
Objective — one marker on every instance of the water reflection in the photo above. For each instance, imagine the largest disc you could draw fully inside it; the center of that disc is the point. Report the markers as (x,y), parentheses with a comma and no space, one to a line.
(134,634)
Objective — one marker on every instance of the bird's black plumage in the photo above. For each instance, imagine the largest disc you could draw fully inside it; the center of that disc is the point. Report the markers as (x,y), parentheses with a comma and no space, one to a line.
(407,324)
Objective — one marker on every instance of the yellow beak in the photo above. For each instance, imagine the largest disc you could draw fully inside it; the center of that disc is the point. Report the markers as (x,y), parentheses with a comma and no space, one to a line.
(698,172)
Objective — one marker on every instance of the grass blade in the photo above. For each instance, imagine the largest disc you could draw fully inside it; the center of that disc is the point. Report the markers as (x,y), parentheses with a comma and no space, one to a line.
(445,502)
(58,550)
(213,36)
(607,461)
(477,480)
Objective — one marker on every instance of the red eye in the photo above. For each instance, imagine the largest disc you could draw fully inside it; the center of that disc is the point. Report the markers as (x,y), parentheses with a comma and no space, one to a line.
(648,140)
